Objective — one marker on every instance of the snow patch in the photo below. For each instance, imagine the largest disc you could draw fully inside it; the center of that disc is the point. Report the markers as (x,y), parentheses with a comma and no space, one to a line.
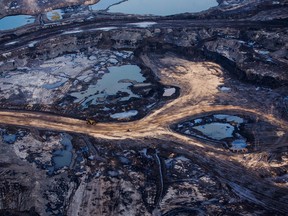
(11,43)
(107,28)
(168,92)
(72,32)
(143,24)
(32,44)
(225,89)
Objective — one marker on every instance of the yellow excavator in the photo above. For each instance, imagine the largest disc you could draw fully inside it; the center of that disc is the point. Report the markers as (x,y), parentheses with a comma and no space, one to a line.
(90,122)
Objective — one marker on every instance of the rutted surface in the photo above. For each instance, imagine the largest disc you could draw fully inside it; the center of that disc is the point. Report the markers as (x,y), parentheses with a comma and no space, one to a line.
(249,186)
(98,177)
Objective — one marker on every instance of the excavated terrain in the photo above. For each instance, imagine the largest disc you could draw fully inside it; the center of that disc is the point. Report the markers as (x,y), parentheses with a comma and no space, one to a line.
(114,114)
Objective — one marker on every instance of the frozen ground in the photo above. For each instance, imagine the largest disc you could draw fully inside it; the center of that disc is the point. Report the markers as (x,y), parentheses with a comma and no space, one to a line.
(228,71)
(104,179)
(107,81)
(51,80)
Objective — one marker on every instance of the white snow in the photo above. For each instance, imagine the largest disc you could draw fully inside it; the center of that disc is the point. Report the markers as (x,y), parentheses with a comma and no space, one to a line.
(72,32)
(198,121)
(105,28)
(262,52)
(229,118)
(168,92)
(32,44)
(11,43)
(225,89)
(143,24)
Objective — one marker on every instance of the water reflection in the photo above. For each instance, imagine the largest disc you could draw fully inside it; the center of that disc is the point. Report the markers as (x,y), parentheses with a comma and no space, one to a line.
(11,22)
(226,129)
(117,80)
(154,7)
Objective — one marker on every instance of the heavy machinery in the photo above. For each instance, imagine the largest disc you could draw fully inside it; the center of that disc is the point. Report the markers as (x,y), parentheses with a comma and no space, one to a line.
(90,122)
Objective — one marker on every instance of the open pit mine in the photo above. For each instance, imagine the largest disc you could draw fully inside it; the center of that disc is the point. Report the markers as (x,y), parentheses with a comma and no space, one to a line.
(143,108)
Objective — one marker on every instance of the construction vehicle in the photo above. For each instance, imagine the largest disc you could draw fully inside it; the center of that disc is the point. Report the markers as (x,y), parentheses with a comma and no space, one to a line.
(90,122)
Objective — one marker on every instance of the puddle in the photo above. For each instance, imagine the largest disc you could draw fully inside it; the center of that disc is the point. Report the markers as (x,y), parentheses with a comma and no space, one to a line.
(9,138)
(62,157)
(11,22)
(154,7)
(217,131)
(110,84)
(221,128)
(239,144)
(55,15)
(54,85)
(124,115)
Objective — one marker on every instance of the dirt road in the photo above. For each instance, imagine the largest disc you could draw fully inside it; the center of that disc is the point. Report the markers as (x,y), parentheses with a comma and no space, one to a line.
(196,98)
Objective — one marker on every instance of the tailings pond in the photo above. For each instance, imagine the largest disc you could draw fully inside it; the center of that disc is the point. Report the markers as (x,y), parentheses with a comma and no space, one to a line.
(117,79)
(102,85)
(228,130)
(154,7)
(139,7)
(11,22)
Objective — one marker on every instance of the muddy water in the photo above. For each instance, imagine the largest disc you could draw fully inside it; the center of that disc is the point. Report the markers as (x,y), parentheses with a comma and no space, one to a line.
(155,7)
(11,22)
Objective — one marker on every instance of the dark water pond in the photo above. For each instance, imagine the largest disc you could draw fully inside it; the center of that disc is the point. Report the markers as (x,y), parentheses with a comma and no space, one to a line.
(62,157)
(221,128)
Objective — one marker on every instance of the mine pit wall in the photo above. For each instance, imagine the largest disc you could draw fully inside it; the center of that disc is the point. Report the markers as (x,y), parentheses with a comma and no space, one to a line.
(186,42)
(243,75)
(267,8)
